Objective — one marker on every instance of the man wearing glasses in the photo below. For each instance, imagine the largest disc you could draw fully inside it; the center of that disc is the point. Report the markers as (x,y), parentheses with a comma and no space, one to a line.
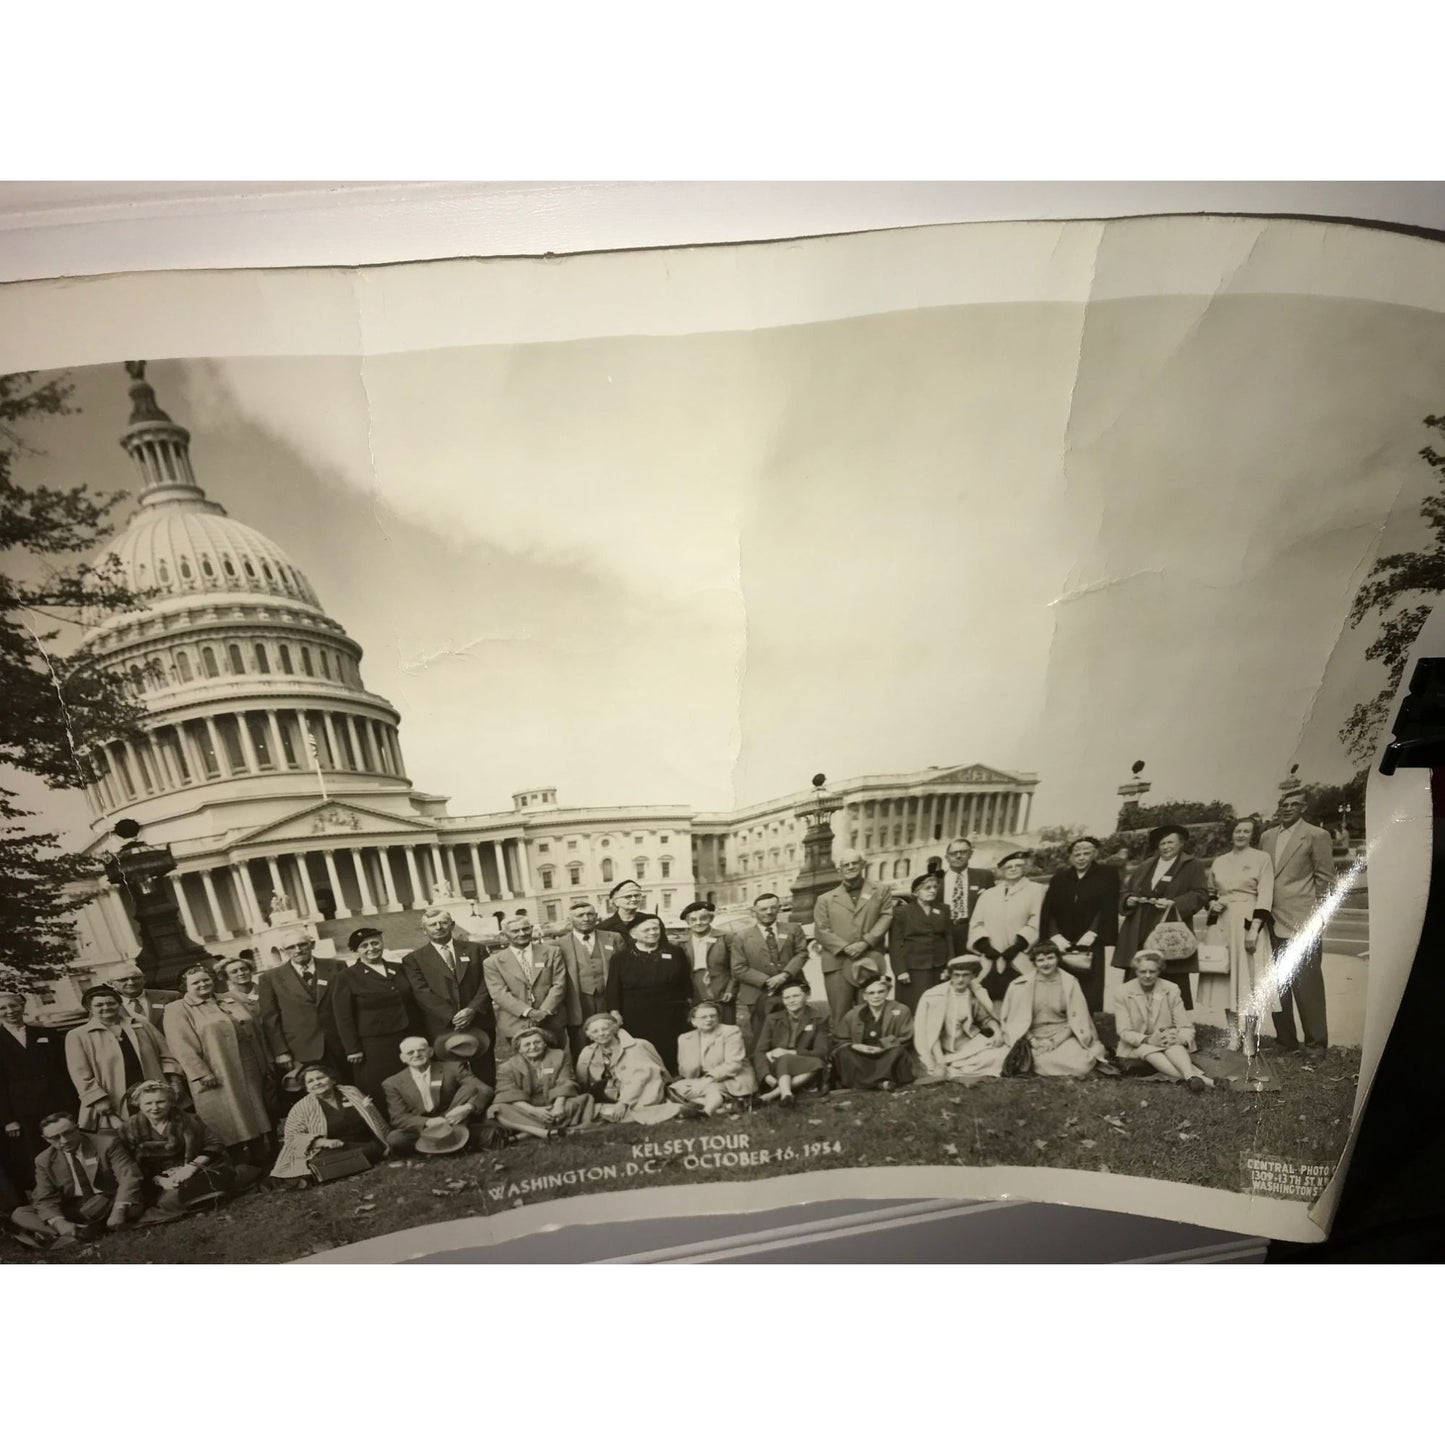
(83,1183)
(297,1019)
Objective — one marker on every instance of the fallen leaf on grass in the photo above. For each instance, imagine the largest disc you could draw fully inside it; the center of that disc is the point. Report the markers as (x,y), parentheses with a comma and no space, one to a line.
(368,1197)
(952,1149)
(815,1121)
(397,1164)
(363,1209)
(442,1193)
(1185,1138)
(1041,1144)
(1086,1144)
(1143,1103)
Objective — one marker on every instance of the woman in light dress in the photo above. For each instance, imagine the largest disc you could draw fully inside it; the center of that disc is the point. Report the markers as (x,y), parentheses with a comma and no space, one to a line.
(624,1075)
(1241,899)
(956,1033)
(712,1063)
(1155,1026)
(1048,1009)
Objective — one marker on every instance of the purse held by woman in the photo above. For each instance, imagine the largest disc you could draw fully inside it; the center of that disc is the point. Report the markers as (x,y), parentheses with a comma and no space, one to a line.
(328,1164)
(1019,1059)
(1172,941)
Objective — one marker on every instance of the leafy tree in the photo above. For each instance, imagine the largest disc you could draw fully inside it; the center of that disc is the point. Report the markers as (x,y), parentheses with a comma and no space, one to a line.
(1399,590)
(1051,852)
(56,706)
(1150,815)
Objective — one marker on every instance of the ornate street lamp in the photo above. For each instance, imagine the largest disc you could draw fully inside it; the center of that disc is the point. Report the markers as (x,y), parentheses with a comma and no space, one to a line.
(817,874)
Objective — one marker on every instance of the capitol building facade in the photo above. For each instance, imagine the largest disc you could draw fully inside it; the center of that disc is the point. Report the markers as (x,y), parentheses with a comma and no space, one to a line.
(277,778)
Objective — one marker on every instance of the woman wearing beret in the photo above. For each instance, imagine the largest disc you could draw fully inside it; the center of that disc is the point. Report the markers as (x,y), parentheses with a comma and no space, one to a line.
(1167,885)
(1242,887)
(649,988)
(1047,1008)
(375,1011)
(1005,924)
(875,1042)
(918,940)
(1080,916)
(956,1034)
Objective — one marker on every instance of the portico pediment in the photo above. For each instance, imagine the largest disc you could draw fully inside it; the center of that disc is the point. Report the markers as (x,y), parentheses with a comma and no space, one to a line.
(977,773)
(327,821)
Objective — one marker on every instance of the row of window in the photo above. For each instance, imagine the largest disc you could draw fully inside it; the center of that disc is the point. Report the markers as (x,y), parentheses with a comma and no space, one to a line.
(237,660)
(555,910)
(574,870)
(287,578)
(637,842)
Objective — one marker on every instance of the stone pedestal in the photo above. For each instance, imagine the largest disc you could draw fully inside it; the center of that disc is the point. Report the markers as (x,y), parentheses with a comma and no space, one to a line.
(166,949)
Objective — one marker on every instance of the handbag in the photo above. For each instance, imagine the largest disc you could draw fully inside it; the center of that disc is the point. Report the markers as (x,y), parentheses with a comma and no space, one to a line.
(328,1164)
(1019,1059)
(1077,960)
(1213,956)
(1172,941)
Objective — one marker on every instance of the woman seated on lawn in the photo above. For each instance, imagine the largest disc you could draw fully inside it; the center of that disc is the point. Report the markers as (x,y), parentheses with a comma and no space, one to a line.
(712,1062)
(874,1039)
(792,1047)
(1155,1026)
(331,1116)
(1047,1008)
(623,1075)
(537,1091)
(956,1034)
(180,1159)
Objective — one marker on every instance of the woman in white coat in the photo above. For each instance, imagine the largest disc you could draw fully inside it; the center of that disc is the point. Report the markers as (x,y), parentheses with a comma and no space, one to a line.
(1155,1026)
(712,1063)
(1005,925)
(1241,888)
(955,1031)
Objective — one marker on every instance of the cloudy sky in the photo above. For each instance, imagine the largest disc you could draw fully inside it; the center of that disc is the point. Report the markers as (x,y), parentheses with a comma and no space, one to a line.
(701,568)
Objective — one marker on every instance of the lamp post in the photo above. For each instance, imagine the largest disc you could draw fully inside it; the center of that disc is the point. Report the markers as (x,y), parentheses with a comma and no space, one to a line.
(137,869)
(817,874)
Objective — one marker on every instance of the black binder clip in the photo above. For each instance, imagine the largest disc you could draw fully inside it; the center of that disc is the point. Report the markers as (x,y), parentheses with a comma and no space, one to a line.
(1419,730)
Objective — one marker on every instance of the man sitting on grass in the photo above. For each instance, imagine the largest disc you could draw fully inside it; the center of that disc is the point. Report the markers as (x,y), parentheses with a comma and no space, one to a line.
(83,1183)
(426,1090)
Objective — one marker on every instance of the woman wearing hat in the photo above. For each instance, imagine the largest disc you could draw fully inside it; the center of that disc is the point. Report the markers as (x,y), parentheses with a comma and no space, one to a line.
(649,988)
(218,1044)
(1047,1008)
(1005,924)
(537,1092)
(956,1034)
(375,1011)
(1080,916)
(624,1075)
(918,940)
(1166,886)
(1155,1026)
(874,1042)
(110,1054)
(332,1115)
(712,1062)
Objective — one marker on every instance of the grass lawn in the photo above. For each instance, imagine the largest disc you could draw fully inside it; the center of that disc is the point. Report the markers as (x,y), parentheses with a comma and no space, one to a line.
(1120,1126)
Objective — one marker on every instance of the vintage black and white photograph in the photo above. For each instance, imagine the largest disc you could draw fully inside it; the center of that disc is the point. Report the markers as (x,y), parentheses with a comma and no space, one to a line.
(897,703)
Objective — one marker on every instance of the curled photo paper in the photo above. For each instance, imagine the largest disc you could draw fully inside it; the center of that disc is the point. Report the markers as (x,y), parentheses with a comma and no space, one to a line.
(539,741)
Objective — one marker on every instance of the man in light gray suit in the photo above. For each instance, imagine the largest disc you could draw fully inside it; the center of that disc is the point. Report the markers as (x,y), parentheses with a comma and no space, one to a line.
(1304,877)
(587,953)
(528,985)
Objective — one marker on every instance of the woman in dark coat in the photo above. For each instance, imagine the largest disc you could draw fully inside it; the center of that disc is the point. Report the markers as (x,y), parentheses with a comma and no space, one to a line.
(1167,885)
(875,1042)
(1080,915)
(918,941)
(374,1011)
(649,986)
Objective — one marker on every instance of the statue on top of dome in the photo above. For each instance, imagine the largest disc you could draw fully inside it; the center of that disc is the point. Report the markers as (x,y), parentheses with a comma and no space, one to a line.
(136,369)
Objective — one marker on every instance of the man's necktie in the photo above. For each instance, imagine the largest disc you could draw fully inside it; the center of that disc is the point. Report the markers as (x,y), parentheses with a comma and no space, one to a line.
(771,939)
(959,902)
(78,1172)
(309,979)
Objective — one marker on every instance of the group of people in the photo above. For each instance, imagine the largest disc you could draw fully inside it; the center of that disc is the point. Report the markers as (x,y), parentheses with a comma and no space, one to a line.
(158,1101)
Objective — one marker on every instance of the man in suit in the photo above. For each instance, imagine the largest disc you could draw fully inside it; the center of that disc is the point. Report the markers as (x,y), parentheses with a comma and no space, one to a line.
(450,989)
(850,922)
(297,1020)
(426,1089)
(82,1182)
(961,890)
(34,1082)
(587,952)
(763,957)
(528,985)
(707,952)
(1304,877)
(626,899)
(144,1005)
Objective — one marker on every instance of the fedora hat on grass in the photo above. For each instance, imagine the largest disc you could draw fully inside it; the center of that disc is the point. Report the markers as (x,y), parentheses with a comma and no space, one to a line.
(440,1137)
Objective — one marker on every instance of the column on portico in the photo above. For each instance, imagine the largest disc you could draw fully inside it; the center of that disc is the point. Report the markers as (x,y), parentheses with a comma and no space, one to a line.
(278,749)
(1028,810)
(246,895)
(524,874)
(214,904)
(330,730)
(308,889)
(505,874)
(277,886)
(357,755)
(358,862)
(418,895)
(223,758)
(178,887)
(484,894)
(329,855)
(439,878)
(456,881)
(393,901)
